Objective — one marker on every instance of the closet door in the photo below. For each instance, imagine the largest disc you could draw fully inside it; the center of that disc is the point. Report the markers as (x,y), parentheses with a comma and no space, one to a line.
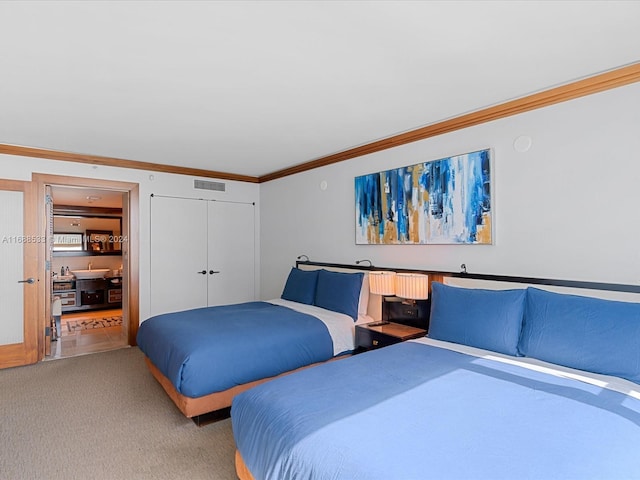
(178,247)
(231,252)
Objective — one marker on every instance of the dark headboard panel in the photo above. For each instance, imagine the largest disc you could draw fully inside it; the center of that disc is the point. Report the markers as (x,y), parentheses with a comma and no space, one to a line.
(390,309)
(439,276)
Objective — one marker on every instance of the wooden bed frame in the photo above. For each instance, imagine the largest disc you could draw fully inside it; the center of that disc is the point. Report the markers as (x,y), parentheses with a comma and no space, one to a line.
(241,469)
(219,401)
(195,407)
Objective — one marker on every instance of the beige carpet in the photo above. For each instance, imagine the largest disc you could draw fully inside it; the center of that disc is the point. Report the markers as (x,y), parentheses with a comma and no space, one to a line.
(103,417)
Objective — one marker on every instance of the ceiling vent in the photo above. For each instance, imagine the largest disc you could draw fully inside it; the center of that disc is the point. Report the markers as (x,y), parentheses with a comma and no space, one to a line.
(206,185)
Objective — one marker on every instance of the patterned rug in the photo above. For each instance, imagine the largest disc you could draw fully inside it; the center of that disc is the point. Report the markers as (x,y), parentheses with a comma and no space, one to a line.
(88,324)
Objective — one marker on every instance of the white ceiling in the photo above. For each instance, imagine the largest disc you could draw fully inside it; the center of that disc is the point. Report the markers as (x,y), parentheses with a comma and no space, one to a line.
(254,87)
(86,197)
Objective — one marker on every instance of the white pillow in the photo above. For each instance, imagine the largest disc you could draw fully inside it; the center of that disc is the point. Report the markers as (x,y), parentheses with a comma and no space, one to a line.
(363,303)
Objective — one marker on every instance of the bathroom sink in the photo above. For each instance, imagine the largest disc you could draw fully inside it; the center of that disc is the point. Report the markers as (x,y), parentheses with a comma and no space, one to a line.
(93,273)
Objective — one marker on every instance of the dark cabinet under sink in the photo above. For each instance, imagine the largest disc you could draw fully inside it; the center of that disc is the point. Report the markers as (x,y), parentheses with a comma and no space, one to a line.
(91,284)
(89,294)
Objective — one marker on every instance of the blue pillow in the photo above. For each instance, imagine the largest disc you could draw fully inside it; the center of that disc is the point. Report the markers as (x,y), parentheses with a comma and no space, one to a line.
(489,319)
(339,292)
(601,336)
(301,286)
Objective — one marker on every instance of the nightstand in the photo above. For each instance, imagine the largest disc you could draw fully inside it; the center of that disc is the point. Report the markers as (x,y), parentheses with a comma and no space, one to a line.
(414,313)
(373,335)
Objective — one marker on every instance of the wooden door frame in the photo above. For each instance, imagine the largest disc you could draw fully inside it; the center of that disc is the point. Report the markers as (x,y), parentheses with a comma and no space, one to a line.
(26,352)
(132,249)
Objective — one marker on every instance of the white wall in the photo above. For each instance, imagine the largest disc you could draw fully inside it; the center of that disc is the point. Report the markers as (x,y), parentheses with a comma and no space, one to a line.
(567,208)
(21,168)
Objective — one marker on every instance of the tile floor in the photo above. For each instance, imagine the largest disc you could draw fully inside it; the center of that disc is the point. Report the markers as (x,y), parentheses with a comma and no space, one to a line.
(82,342)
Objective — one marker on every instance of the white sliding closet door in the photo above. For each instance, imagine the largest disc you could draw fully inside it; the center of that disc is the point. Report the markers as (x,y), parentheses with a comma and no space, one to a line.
(178,247)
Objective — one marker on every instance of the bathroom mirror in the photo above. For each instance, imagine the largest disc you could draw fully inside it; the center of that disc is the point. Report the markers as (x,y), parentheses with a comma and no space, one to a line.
(87,234)
(68,242)
(100,240)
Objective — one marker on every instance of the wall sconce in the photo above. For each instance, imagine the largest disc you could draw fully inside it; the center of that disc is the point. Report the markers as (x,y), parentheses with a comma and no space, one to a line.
(300,257)
(358,262)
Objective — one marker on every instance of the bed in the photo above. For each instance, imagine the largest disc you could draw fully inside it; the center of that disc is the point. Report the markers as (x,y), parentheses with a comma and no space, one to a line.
(521,383)
(204,357)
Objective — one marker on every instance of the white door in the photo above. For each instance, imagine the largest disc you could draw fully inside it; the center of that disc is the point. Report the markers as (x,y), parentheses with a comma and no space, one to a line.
(178,247)
(202,253)
(18,275)
(231,253)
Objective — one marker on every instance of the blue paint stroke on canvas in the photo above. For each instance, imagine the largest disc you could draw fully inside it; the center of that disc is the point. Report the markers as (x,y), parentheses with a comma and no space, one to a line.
(446,201)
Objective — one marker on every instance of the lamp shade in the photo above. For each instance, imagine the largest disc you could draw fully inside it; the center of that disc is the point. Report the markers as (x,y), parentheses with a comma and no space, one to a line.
(382,283)
(414,286)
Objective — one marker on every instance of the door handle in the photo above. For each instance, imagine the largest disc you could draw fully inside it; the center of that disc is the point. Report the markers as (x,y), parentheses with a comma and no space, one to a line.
(28,280)
(203,272)
(211,272)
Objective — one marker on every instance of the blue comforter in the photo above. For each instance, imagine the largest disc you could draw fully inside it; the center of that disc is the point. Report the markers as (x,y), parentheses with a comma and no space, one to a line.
(414,411)
(211,349)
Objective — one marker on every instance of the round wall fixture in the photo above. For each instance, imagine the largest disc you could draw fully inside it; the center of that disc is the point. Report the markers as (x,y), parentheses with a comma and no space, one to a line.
(323,185)
(522,143)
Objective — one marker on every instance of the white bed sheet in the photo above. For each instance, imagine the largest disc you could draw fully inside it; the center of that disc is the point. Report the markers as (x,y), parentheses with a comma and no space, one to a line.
(604,381)
(341,327)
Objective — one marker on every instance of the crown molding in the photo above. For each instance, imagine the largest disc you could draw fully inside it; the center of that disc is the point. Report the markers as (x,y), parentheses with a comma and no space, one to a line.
(587,86)
(118,162)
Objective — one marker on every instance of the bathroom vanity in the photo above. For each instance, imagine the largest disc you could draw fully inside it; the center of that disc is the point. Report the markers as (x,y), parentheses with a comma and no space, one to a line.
(88,294)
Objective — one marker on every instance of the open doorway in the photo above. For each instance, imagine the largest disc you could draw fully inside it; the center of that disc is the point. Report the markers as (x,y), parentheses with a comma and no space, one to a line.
(90,265)
(87,268)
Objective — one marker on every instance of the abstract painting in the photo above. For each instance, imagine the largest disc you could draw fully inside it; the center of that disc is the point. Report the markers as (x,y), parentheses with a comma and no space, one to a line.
(446,201)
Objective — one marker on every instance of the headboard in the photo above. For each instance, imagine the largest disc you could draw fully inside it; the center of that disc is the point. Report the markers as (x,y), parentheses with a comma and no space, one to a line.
(609,291)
